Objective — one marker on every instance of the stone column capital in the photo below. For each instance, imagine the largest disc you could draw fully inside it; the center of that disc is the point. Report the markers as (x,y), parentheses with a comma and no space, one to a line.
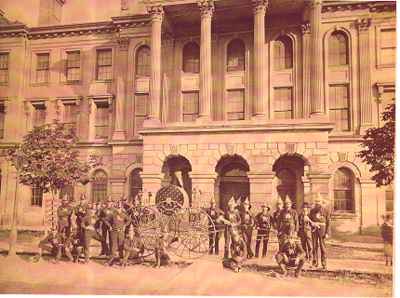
(206,8)
(363,24)
(123,43)
(313,4)
(156,12)
(305,28)
(259,6)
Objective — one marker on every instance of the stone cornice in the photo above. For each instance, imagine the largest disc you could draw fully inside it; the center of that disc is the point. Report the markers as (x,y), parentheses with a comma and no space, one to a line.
(378,6)
(115,25)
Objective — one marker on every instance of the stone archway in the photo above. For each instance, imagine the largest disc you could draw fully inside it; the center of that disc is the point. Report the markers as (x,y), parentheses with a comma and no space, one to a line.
(232,179)
(176,169)
(289,170)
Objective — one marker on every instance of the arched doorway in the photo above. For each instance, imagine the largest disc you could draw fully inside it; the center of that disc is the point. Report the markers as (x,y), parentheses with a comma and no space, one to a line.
(232,179)
(289,170)
(176,170)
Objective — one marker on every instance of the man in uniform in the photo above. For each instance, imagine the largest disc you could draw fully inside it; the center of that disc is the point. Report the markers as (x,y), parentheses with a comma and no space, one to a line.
(247,224)
(90,231)
(214,213)
(290,255)
(80,212)
(287,221)
(306,227)
(263,221)
(238,252)
(321,217)
(232,223)
(64,214)
(105,217)
(119,221)
(133,246)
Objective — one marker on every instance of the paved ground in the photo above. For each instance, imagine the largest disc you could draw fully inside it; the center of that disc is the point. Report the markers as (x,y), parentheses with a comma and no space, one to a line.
(203,277)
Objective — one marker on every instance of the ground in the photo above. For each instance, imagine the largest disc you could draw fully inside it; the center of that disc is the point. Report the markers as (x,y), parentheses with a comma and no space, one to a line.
(354,269)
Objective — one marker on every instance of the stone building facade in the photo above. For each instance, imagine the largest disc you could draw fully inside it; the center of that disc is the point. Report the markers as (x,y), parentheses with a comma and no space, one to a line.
(225,98)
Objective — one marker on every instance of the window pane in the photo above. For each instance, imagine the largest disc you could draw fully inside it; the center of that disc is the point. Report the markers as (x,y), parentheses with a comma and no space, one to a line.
(142,105)
(73,66)
(388,38)
(39,117)
(37,196)
(4,60)
(235,104)
(343,190)
(338,49)
(236,56)
(143,61)
(339,111)
(70,116)
(191,58)
(104,65)
(136,182)
(99,186)
(283,53)
(190,106)
(42,61)
(102,121)
(283,103)
(3,76)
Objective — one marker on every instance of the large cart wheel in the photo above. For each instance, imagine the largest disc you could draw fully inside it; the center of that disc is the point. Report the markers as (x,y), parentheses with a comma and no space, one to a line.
(150,224)
(193,227)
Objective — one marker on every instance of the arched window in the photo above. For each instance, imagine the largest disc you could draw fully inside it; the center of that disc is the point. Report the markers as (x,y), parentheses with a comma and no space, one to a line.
(99,186)
(338,49)
(143,61)
(191,58)
(135,182)
(343,190)
(283,53)
(235,56)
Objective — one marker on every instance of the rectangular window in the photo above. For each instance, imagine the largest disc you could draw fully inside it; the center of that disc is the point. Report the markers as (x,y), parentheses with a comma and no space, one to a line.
(283,103)
(142,102)
(2,120)
(235,105)
(39,116)
(37,196)
(102,120)
(104,65)
(70,116)
(388,46)
(339,107)
(190,106)
(4,68)
(73,66)
(42,67)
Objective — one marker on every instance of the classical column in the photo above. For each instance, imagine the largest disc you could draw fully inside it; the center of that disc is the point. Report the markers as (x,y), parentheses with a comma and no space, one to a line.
(363,26)
(259,9)
(203,186)
(156,13)
(206,11)
(261,189)
(316,73)
(306,36)
(122,62)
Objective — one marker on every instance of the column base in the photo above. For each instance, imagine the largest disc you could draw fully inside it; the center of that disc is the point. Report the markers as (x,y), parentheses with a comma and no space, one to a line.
(203,119)
(259,117)
(118,135)
(151,123)
(319,116)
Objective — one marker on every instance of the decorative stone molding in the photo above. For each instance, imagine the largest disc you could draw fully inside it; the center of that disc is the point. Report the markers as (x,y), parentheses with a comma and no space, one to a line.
(259,6)
(363,24)
(305,28)
(371,7)
(156,12)
(206,8)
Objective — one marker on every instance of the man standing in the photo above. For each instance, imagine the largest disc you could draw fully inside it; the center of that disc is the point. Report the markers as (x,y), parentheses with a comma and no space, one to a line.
(105,217)
(290,255)
(305,231)
(232,221)
(287,222)
(119,221)
(321,217)
(247,224)
(214,213)
(64,214)
(89,231)
(263,221)
(80,212)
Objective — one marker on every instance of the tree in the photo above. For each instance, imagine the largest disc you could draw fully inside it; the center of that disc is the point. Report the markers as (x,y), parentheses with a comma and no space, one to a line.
(48,159)
(378,149)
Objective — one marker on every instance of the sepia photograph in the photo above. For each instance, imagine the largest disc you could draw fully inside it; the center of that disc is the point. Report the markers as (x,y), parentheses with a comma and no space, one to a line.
(197,147)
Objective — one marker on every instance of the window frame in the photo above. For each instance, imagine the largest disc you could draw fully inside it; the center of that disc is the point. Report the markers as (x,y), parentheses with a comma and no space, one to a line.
(194,115)
(378,47)
(45,70)
(292,114)
(6,69)
(35,107)
(349,119)
(95,184)
(228,110)
(111,65)
(132,188)
(79,66)
(336,189)
(189,61)
(241,67)
(338,53)
(287,43)
(138,73)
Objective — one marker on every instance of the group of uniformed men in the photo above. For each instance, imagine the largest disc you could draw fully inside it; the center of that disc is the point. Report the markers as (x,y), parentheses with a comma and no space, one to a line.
(311,225)
(112,224)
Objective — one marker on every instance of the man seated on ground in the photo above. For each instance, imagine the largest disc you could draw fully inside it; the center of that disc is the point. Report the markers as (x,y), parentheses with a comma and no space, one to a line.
(133,247)
(291,255)
(161,254)
(238,253)
(55,243)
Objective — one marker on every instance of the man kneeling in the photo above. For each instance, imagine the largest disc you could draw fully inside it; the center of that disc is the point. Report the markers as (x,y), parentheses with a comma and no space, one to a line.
(133,247)
(238,253)
(291,255)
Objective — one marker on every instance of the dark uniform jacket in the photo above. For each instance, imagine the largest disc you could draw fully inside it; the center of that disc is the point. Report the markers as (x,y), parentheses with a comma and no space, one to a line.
(305,227)
(119,221)
(287,222)
(321,215)
(292,250)
(275,217)
(247,219)
(387,233)
(106,215)
(81,211)
(263,222)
